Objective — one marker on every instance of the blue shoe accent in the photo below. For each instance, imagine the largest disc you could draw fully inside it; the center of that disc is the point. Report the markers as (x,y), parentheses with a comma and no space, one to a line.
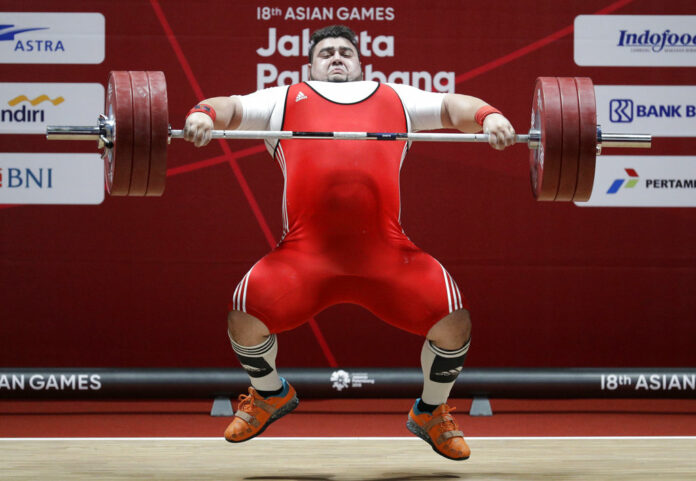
(286,388)
(417,411)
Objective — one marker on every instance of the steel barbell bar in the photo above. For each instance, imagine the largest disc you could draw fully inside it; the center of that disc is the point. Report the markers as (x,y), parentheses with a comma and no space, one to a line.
(564,138)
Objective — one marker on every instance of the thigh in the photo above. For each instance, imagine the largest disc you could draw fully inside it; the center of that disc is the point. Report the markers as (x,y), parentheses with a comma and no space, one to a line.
(282,290)
(413,293)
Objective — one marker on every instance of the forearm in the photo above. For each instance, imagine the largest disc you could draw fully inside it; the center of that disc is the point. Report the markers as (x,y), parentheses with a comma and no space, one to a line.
(228,112)
(459,112)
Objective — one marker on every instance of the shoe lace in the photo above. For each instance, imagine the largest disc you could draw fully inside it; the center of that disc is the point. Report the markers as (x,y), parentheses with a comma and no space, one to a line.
(246,401)
(448,423)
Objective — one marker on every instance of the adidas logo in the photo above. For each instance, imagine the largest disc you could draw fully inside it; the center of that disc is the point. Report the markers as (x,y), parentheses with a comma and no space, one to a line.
(451,372)
(249,368)
(300,96)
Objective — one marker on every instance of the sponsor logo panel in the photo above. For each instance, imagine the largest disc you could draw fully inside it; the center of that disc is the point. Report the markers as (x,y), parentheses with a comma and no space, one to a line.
(635,40)
(60,38)
(27,108)
(51,178)
(644,181)
(660,110)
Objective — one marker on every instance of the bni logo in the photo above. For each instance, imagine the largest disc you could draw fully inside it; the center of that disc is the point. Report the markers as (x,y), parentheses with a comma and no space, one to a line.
(621,110)
(27,178)
(629,183)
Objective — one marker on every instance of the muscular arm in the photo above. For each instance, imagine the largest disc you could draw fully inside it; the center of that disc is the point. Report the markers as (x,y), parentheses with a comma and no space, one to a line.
(198,126)
(459,111)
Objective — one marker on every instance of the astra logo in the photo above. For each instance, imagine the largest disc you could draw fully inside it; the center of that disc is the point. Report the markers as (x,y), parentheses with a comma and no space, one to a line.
(7,32)
(656,41)
(630,183)
(621,110)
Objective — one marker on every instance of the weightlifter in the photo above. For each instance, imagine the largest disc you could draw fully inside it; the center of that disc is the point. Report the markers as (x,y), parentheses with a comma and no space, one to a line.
(342,240)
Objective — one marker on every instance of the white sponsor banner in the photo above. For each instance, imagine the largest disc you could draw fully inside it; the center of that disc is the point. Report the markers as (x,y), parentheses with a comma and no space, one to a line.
(27,108)
(52,37)
(55,178)
(644,181)
(635,40)
(663,111)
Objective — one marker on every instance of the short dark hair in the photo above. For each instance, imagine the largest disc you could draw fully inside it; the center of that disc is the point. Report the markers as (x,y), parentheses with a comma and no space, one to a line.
(332,31)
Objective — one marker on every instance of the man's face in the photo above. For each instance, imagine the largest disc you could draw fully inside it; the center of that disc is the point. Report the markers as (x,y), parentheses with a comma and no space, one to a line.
(335,60)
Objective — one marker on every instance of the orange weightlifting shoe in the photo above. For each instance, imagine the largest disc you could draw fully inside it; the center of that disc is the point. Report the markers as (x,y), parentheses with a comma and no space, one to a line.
(255,413)
(440,430)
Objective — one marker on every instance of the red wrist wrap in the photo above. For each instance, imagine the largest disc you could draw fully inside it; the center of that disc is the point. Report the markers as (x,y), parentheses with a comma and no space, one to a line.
(484,112)
(205,108)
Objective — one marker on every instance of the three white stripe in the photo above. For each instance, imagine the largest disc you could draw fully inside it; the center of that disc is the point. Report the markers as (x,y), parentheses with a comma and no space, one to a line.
(240,293)
(454,297)
(280,156)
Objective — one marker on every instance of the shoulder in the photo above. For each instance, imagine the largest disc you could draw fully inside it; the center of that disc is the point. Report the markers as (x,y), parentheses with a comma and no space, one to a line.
(270,95)
(407,92)
(422,107)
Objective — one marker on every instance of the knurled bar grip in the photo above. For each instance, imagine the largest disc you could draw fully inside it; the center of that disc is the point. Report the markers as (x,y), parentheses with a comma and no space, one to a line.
(287,134)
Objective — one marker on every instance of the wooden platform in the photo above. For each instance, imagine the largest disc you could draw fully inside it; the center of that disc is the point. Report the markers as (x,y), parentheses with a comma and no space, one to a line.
(338,459)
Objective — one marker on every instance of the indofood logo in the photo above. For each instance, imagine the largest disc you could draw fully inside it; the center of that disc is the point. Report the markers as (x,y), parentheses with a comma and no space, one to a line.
(629,183)
(648,40)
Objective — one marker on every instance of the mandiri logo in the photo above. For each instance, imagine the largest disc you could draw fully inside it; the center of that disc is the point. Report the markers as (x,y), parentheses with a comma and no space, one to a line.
(629,183)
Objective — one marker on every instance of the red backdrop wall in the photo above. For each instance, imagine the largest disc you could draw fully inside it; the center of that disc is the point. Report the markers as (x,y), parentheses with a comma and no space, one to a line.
(146,282)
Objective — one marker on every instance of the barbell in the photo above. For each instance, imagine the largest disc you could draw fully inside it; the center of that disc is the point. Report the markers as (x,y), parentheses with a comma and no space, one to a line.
(564,138)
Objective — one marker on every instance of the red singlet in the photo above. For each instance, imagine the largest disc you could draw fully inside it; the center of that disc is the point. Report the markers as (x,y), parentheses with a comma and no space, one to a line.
(342,240)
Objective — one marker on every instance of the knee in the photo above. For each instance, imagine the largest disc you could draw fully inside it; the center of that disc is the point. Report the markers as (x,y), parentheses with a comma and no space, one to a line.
(245,329)
(452,331)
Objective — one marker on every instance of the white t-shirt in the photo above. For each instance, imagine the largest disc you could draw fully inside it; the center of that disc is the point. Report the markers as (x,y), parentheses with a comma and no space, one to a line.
(264,109)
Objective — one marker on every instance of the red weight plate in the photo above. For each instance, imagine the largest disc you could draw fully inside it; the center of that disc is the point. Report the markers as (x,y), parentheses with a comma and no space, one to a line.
(118,109)
(545,161)
(588,139)
(141,133)
(159,121)
(571,139)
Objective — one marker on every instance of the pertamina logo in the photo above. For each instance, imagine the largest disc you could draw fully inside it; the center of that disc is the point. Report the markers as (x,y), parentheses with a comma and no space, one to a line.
(25,113)
(629,183)
(651,183)
(26,43)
